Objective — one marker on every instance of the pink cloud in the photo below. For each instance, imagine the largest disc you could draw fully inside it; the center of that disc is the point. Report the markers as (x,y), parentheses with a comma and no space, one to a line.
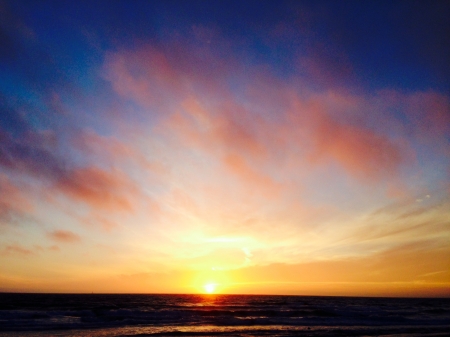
(429,113)
(242,140)
(326,68)
(54,248)
(260,182)
(114,151)
(64,236)
(361,152)
(425,114)
(244,144)
(110,190)
(105,224)
(229,127)
(153,77)
(12,199)
(335,133)
(143,76)
(270,120)
(16,250)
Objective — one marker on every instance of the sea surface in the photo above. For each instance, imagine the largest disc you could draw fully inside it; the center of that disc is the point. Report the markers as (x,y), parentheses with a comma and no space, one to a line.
(219,315)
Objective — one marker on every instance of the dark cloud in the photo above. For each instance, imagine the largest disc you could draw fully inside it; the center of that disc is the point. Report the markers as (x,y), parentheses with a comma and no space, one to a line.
(35,156)
(26,153)
(11,119)
(32,154)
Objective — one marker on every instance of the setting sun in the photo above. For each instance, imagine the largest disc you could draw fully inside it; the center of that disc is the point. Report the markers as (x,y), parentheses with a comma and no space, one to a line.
(210,288)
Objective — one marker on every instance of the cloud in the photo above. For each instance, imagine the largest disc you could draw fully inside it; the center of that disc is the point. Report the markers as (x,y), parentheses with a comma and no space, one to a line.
(13,201)
(326,67)
(161,78)
(152,77)
(15,249)
(332,122)
(114,151)
(35,155)
(361,152)
(241,141)
(238,145)
(263,183)
(108,190)
(31,153)
(428,116)
(26,149)
(54,248)
(64,237)
(28,153)
(227,124)
(12,120)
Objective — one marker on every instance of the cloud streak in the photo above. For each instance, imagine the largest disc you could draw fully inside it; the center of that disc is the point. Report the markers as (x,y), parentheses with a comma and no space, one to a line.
(12,250)
(64,236)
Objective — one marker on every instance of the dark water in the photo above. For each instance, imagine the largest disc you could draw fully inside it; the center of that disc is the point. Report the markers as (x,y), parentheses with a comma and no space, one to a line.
(224,315)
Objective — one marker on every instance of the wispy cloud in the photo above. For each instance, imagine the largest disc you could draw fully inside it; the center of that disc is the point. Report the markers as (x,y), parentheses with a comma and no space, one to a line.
(15,249)
(64,236)
(13,201)
(98,188)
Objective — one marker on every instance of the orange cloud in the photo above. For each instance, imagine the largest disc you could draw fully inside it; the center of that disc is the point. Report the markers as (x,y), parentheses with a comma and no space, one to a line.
(334,133)
(114,151)
(54,248)
(99,188)
(16,250)
(363,153)
(325,67)
(144,76)
(427,112)
(271,121)
(243,144)
(229,126)
(64,236)
(12,199)
(154,77)
(259,182)
(435,109)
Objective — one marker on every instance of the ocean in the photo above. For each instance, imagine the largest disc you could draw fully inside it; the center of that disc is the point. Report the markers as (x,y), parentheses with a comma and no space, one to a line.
(219,315)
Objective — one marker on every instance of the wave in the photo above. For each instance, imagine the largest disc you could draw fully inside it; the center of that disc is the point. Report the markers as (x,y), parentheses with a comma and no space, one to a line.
(59,312)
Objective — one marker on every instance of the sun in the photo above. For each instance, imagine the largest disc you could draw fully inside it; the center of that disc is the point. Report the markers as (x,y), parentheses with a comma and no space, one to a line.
(210,288)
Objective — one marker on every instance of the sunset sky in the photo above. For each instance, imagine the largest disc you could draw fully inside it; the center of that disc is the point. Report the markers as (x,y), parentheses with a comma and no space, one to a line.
(261,147)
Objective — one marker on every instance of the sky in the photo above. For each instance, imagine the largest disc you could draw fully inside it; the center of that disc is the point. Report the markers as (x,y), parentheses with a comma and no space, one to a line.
(245,147)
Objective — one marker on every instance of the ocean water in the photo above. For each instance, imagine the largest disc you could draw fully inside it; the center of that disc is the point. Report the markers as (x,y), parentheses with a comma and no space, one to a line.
(219,315)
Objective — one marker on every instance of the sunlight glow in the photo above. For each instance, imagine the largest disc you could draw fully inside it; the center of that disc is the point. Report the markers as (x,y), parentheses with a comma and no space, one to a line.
(210,288)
